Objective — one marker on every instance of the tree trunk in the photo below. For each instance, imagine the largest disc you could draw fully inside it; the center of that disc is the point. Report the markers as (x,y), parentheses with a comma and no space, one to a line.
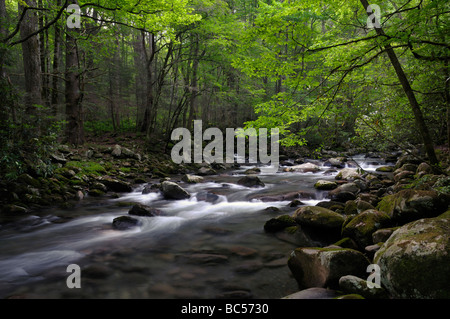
(415,107)
(31,60)
(74,109)
(56,56)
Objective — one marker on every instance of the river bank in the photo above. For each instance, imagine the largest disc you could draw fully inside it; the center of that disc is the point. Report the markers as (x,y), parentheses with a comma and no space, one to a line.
(220,242)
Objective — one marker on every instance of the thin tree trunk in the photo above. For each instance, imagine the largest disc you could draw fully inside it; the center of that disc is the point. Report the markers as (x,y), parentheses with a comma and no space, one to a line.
(415,107)
(74,110)
(56,57)
(31,60)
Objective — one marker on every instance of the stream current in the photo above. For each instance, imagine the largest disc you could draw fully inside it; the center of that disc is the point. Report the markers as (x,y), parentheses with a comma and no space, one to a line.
(212,245)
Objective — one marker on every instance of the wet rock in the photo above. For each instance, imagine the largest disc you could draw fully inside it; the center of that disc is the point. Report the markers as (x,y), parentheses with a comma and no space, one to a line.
(125,222)
(348,174)
(206,171)
(382,235)
(279,223)
(323,267)
(332,205)
(414,260)
(325,185)
(385,169)
(303,168)
(318,217)
(251,181)
(252,171)
(295,203)
(361,227)
(151,188)
(349,187)
(408,205)
(192,179)
(171,190)
(116,185)
(297,236)
(207,197)
(338,162)
(342,197)
(354,285)
(143,210)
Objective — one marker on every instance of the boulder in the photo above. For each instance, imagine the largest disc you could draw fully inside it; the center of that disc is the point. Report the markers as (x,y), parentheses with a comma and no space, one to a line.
(117,151)
(297,236)
(332,205)
(205,171)
(318,217)
(251,181)
(385,169)
(363,225)
(143,210)
(325,185)
(348,174)
(303,168)
(349,187)
(414,260)
(381,235)
(279,223)
(125,222)
(323,267)
(424,169)
(171,190)
(408,205)
(252,171)
(116,185)
(354,285)
(192,179)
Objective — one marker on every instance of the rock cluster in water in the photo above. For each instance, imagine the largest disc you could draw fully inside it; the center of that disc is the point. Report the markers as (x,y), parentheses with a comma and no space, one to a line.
(396,218)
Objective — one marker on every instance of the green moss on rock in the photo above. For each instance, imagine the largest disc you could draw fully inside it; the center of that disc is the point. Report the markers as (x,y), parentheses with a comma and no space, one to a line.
(414,260)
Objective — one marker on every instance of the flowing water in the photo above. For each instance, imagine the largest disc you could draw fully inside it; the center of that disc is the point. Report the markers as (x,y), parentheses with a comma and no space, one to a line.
(212,245)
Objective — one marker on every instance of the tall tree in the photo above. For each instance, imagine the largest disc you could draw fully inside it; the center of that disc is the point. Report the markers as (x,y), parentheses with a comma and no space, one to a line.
(74,106)
(31,57)
(415,107)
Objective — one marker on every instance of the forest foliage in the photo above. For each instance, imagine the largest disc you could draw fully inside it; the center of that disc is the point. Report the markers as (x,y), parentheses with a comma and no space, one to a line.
(317,70)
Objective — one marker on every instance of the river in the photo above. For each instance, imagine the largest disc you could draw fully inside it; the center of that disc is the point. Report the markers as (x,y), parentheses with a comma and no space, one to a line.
(209,246)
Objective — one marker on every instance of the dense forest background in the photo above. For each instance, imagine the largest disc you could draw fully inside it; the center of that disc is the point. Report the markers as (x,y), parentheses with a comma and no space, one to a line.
(315,69)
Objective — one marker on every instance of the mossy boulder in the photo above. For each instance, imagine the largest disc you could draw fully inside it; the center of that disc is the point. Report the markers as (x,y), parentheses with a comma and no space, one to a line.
(318,217)
(323,267)
(354,285)
(325,185)
(363,225)
(408,205)
(414,260)
(279,223)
